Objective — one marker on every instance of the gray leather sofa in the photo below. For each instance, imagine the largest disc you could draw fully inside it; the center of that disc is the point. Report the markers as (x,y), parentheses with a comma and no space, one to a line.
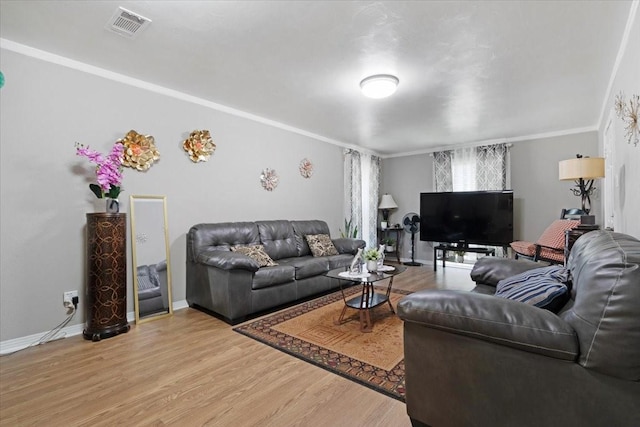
(153,296)
(473,359)
(234,286)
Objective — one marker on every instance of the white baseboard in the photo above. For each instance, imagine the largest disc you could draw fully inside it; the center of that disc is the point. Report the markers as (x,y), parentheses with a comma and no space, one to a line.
(17,344)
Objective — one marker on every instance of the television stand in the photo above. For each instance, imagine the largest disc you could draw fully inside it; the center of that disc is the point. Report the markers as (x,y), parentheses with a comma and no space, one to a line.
(448,248)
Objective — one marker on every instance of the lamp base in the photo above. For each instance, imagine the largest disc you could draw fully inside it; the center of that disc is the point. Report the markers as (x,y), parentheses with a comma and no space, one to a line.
(587,219)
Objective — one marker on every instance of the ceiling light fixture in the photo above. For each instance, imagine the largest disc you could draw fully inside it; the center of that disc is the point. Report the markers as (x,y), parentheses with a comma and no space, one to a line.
(379,86)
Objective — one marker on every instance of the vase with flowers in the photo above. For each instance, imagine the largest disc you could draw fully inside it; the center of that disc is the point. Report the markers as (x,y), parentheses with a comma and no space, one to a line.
(371,256)
(108,173)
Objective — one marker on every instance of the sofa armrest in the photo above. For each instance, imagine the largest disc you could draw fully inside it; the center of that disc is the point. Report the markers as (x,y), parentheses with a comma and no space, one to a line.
(489,318)
(348,246)
(490,270)
(227,260)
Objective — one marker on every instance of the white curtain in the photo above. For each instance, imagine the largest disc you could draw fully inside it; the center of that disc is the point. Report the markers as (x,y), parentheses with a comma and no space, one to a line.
(353,189)
(362,189)
(371,179)
(463,169)
(442,176)
(492,167)
(472,168)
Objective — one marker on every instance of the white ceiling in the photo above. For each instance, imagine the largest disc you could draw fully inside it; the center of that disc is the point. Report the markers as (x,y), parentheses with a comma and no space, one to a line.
(469,71)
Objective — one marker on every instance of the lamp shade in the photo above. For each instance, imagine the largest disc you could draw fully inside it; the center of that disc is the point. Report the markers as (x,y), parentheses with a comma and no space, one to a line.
(379,86)
(387,202)
(583,167)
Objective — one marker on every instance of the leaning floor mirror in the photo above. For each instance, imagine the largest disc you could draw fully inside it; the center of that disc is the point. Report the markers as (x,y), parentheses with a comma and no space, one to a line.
(150,253)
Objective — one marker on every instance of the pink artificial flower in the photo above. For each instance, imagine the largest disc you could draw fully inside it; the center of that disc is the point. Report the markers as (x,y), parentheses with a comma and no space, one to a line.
(109,168)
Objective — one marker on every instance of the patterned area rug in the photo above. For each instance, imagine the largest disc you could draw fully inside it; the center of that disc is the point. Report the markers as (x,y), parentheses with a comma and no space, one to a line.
(308,331)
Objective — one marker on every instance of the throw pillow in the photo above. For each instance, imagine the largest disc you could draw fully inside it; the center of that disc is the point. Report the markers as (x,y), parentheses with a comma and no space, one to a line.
(256,252)
(542,287)
(321,245)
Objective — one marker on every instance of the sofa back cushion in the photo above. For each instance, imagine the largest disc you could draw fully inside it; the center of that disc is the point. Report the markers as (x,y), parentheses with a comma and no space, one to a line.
(304,228)
(605,270)
(220,236)
(278,238)
(553,235)
(145,279)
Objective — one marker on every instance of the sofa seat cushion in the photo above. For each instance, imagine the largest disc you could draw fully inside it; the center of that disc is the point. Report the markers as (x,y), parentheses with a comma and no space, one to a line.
(255,252)
(541,287)
(307,266)
(272,276)
(552,254)
(149,293)
(523,248)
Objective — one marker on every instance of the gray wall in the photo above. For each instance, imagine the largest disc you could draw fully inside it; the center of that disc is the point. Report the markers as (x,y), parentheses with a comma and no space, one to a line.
(405,178)
(538,194)
(46,108)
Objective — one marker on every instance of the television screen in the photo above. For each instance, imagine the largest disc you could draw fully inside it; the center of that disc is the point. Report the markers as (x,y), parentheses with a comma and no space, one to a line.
(477,217)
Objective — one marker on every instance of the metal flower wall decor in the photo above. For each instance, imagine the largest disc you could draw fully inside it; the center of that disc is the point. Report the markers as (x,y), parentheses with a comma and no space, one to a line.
(140,151)
(306,168)
(199,146)
(269,179)
(628,112)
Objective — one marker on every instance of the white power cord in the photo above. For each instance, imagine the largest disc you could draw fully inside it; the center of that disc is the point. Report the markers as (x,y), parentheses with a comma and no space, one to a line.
(52,334)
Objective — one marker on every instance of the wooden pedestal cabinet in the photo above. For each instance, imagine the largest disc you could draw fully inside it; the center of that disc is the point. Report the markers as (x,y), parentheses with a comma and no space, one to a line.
(106,276)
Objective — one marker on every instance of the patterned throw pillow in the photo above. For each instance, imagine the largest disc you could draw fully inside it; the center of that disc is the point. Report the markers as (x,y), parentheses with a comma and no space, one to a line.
(321,245)
(542,287)
(256,252)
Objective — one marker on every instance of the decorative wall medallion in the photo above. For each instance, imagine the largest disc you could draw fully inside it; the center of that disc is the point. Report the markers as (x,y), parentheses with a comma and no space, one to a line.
(269,179)
(306,168)
(199,146)
(628,112)
(139,151)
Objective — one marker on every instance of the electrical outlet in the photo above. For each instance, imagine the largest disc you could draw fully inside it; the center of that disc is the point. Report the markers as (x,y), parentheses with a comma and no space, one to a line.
(68,296)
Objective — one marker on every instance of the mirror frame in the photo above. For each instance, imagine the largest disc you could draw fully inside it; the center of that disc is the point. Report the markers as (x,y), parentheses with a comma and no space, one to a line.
(136,308)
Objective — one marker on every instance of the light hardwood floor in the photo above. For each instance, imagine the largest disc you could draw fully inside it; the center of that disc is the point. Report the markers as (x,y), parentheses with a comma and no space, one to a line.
(192,370)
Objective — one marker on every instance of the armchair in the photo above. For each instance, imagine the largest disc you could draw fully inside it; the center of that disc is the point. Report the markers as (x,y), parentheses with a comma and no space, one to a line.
(549,246)
(473,359)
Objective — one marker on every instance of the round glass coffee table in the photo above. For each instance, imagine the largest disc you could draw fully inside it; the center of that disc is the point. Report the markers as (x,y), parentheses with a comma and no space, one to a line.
(368,298)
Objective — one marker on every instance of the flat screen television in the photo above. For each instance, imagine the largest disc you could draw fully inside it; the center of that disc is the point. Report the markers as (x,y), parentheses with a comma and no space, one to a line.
(467,217)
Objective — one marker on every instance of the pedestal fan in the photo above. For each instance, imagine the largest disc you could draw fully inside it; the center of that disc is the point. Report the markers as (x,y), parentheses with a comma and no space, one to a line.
(411,224)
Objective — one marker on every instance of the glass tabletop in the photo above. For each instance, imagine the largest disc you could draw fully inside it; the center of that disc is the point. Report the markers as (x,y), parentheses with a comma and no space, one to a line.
(366,277)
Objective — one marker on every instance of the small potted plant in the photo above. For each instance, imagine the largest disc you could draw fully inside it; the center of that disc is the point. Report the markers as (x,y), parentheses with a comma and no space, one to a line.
(460,256)
(389,244)
(371,256)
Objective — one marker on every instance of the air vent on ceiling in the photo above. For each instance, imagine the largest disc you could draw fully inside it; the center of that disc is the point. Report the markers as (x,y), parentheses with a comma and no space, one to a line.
(127,23)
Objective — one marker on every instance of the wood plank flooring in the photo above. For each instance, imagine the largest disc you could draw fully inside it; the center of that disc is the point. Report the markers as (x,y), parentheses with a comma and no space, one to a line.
(192,370)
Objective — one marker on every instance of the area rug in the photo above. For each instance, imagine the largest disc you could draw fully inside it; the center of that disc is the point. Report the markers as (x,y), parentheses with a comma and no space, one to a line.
(308,331)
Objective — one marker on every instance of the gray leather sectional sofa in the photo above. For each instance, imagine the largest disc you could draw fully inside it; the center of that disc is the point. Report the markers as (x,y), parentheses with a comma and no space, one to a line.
(233,286)
(474,359)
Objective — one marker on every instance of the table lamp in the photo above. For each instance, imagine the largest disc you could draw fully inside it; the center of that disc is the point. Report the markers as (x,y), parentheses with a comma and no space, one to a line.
(583,170)
(386,203)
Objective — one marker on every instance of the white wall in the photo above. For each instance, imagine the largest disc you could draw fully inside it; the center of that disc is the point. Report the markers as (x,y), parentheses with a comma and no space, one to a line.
(626,164)
(46,108)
